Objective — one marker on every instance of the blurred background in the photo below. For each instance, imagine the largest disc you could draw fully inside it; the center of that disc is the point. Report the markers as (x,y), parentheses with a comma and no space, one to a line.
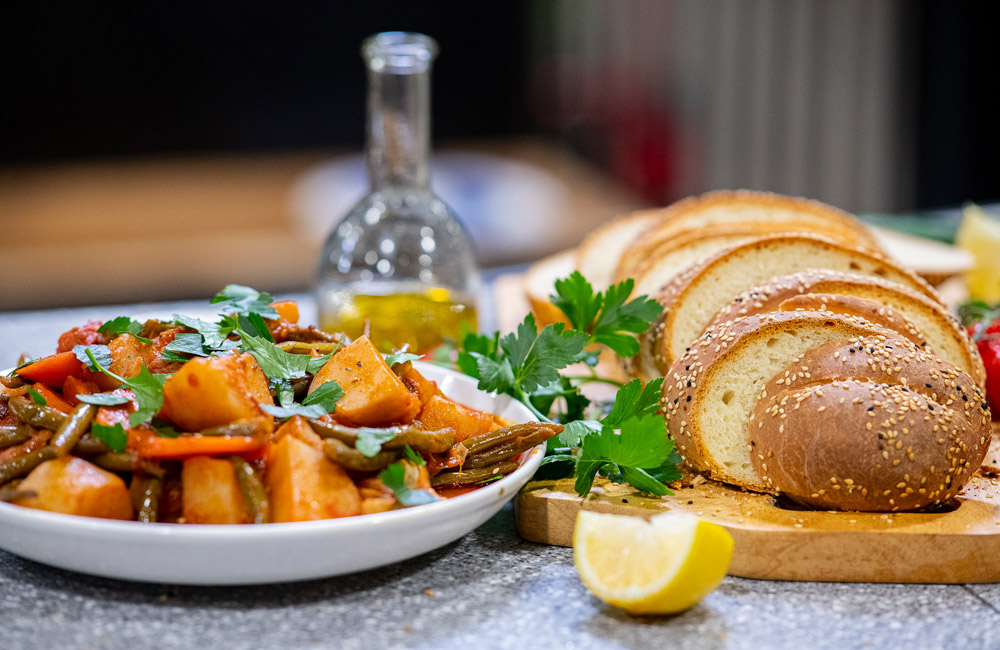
(158,152)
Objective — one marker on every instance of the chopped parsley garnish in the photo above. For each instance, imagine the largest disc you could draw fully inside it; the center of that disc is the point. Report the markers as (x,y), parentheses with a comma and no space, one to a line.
(123,325)
(37,397)
(394,478)
(147,387)
(113,436)
(526,364)
(237,299)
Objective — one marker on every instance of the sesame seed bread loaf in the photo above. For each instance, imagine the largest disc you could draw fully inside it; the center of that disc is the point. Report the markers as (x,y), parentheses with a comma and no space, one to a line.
(598,254)
(872,423)
(765,209)
(651,258)
(692,299)
(711,390)
(938,329)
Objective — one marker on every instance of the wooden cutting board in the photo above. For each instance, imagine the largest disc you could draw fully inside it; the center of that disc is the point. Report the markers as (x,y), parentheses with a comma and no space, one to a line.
(777,540)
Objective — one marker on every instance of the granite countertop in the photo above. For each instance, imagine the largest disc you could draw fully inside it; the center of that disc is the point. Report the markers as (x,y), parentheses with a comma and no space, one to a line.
(490,589)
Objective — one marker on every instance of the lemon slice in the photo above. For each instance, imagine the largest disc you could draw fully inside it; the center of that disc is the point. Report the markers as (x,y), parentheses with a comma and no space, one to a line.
(660,566)
(979,233)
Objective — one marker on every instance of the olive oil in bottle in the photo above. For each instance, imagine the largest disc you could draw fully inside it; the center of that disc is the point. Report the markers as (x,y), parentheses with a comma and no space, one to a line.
(399,265)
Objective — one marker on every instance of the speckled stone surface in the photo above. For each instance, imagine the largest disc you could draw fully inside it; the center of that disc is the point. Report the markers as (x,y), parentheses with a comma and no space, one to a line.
(488,590)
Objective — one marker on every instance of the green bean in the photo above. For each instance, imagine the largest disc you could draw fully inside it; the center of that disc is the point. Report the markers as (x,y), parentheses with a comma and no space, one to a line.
(483,441)
(253,490)
(149,494)
(36,414)
(73,429)
(300,347)
(11,381)
(351,458)
(473,476)
(248,428)
(507,450)
(114,462)
(434,442)
(10,436)
(90,446)
(22,465)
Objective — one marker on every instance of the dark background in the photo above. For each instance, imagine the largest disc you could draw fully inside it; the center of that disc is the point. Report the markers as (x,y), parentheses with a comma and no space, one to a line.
(117,79)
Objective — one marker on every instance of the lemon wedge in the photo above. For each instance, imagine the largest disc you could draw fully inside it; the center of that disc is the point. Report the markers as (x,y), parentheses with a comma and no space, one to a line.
(979,233)
(660,566)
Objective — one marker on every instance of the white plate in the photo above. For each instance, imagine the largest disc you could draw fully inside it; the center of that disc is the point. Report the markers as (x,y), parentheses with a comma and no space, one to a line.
(230,555)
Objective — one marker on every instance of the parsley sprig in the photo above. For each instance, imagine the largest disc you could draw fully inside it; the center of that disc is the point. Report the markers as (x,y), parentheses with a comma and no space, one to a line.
(629,444)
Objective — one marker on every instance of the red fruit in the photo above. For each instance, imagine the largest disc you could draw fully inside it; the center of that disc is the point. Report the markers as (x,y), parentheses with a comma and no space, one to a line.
(989,350)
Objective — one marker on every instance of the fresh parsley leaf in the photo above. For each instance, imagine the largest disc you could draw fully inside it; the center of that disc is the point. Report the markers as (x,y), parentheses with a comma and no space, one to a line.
(311,411)
(103,399)
(401,357)
(37,397)
(147,387)
(495,376)
(413,456)
(633,400)
(370,440)
(215,338)
(617,315)
(284,390)
(94,357)
(325,396)
(642,445)
(193,344)
(254,325)
(575,298)
(393,477)
(607,316)
(275,362)
(315,365)
(238,299)
(474,347)
(535,358)
(576,431)
(113,436)
(555,466)
(123,325)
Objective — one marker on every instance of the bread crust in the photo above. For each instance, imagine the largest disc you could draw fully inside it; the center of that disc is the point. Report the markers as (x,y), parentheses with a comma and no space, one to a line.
(661,334)
(688,215)
(873,423)
(594,252)
(687,383)
(775,292)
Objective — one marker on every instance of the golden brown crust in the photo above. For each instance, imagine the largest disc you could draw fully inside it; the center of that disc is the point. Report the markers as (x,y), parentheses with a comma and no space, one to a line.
(871,311)
(661,333)
(873,424)
(686,214)
(685,387)
(771,294)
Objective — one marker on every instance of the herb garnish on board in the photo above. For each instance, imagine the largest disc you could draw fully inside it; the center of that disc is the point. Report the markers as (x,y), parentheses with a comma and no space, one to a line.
(627,445)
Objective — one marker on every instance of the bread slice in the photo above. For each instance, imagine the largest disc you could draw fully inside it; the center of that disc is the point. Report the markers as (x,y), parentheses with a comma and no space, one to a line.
(711,390)
(598,254)
(746,206)
(936,326)
(539,282)
(693,298)
(665,237)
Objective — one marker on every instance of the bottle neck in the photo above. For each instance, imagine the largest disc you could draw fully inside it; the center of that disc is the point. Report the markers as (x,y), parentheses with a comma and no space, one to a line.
(398,147)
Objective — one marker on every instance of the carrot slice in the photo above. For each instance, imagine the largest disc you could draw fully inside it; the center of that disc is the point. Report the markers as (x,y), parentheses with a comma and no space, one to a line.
(149,445)
(52,399)
(74,386)
(53,369)
(287,310)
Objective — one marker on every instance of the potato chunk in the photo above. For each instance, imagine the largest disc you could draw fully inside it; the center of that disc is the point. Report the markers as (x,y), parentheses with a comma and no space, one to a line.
(305,485)
(441,412)
(373,394)
(212,392)
(298,427)
(210,492)
(75,487)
